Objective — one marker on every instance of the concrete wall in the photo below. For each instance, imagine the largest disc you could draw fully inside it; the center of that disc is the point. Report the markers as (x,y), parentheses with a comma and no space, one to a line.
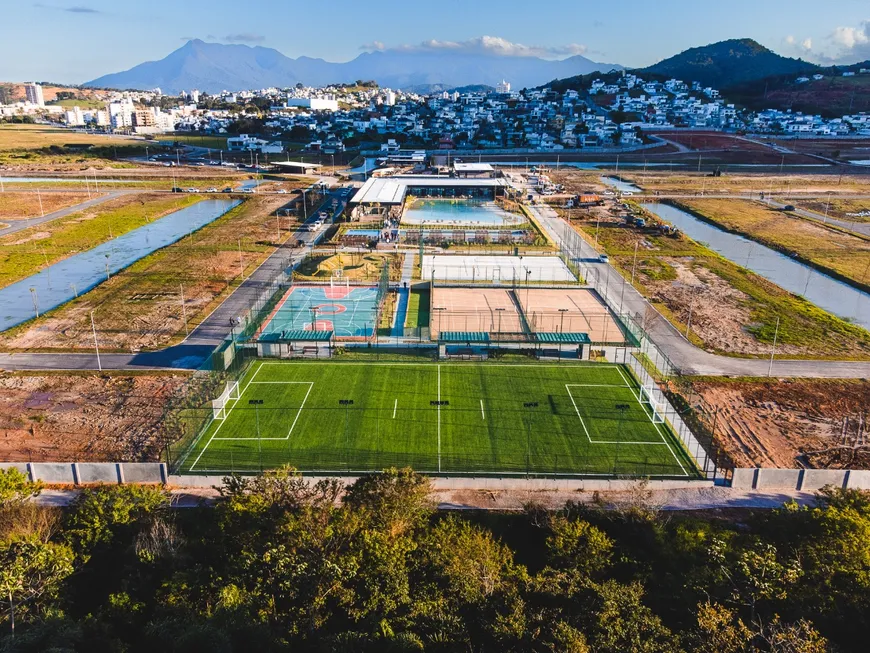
(803,480)
(92,473)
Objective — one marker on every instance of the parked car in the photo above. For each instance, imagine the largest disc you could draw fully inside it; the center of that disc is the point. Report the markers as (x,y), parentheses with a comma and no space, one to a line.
(227,190)
(211,190)
(281,191)
(193,190)
(176,189)
(604,258)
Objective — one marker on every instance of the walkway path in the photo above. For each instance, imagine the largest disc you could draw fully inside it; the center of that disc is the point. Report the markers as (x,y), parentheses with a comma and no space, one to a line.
(685,356)
(404,294)
(21,225)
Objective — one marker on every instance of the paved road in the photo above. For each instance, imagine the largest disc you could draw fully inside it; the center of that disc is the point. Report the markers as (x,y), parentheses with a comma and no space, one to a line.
(199,345)
(21,225)
(688,358)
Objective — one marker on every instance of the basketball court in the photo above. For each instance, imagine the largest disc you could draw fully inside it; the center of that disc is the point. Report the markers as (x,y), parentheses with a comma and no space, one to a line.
(348,311)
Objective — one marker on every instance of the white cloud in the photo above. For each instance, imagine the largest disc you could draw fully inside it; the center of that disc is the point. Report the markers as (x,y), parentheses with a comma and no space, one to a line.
(790,39)
(493,45)
(374,45)
(807,44)
(849,44)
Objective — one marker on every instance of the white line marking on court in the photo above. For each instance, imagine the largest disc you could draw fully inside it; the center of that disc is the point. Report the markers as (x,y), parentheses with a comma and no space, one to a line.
(594,385)
(567,387)
(618,369)
(395,406)
(482,414)
(298,412)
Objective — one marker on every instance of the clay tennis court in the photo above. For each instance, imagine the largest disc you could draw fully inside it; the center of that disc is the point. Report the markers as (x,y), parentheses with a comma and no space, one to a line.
(524,310)
(569,310)
(474,309)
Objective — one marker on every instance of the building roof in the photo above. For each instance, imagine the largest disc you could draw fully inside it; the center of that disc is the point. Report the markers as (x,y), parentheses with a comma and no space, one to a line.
(392,190)
(297,335)
(472,167)
(564,338)
(463,336)
(295,164)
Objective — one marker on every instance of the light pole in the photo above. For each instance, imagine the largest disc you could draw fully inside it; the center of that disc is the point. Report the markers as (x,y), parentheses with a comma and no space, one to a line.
(75,290)
(35,297)
(256,403)
(96,346)
(347,403)
(528,405)
(183,310)
(773,349)
(634,263)
(107,267)
(241,265)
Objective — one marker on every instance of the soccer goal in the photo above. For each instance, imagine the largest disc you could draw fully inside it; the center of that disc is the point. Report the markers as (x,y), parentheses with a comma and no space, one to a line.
(219,405)
(647,397)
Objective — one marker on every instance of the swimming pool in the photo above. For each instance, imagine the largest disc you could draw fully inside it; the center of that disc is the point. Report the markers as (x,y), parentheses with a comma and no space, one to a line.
(458,212)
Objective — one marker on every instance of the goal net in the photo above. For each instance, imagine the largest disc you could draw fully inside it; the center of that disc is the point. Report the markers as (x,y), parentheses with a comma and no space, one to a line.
(648,399)
(230,393)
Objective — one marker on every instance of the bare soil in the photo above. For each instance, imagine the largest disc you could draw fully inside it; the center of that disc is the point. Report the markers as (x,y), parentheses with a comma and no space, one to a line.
(19,206)
(83,418)
(719,312)
(793,423)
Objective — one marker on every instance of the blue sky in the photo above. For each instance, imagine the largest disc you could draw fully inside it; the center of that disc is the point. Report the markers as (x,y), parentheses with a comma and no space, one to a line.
(77,40)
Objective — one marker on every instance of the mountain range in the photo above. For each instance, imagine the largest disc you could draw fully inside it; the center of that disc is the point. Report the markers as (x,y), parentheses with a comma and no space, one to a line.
(213,67)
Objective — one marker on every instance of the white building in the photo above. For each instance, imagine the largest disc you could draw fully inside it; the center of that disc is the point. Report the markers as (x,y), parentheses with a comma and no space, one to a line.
(503,87)
(390,98)
(75,117)
(315,104)
(121,113)
(33,91)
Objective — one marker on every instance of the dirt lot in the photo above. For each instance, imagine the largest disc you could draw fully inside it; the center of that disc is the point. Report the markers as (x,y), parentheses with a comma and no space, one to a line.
(60,417)
(140,307)
(719,311)
(20,206)
(808,423)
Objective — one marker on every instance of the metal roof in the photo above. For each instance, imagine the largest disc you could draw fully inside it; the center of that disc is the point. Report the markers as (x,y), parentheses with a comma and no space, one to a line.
(300,335)
(463,336)
(392,190)
(472,167)
(564,338)
(295,164)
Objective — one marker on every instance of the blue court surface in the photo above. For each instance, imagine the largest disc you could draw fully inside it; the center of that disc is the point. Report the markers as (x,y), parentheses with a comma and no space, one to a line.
(349,312)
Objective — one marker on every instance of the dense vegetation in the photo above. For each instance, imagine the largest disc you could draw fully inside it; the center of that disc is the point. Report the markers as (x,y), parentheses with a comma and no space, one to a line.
(281,564)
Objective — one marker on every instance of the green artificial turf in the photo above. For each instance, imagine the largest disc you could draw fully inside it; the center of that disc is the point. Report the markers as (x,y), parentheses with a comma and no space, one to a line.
(493,418)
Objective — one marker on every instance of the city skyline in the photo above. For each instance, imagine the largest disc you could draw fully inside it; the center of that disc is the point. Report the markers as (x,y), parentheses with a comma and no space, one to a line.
(110,37)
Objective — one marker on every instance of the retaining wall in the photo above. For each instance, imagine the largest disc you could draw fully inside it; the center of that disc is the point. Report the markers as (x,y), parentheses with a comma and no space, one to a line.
(92,473)
(802,480)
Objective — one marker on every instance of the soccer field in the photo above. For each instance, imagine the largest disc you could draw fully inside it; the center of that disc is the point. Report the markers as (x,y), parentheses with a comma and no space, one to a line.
(449,418)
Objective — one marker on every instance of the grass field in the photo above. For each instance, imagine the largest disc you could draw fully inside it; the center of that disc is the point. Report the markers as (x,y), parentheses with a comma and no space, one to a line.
(13,137)
(418,309)
(448,418)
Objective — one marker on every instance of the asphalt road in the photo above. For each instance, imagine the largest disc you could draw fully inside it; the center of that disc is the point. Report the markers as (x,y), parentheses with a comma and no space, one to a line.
(685,356)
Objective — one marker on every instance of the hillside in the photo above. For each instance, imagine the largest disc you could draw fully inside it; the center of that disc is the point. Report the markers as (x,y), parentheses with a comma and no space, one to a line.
(728,63)
(832,96)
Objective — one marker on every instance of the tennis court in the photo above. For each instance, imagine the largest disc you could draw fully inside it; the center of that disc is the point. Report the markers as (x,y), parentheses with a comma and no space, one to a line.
(348,311)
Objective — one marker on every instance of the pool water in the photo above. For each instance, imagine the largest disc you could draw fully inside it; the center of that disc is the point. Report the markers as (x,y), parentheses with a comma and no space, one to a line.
(458,212)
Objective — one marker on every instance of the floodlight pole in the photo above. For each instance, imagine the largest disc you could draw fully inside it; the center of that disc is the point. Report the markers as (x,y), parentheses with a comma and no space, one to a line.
(634,263)
(773,350)
(35,297)
(183,311)
(529,405)
(96,346)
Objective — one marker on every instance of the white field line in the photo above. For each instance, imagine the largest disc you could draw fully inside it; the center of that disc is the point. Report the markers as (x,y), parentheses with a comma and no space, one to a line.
(298,413)
(395,406)
(595,385)
(224,421)
(625,442)
(482,414)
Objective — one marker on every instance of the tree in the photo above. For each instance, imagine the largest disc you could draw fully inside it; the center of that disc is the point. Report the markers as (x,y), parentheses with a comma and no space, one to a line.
(578,545)
(15,488)
(30,576)
(397,500)
(97,514)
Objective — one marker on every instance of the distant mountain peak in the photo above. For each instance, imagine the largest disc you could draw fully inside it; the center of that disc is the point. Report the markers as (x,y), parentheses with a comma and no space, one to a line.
(213,67)
(726,63)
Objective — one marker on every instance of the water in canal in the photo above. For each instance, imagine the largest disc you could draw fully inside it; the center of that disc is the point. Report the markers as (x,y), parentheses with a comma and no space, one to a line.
(60,282)
(834,296)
